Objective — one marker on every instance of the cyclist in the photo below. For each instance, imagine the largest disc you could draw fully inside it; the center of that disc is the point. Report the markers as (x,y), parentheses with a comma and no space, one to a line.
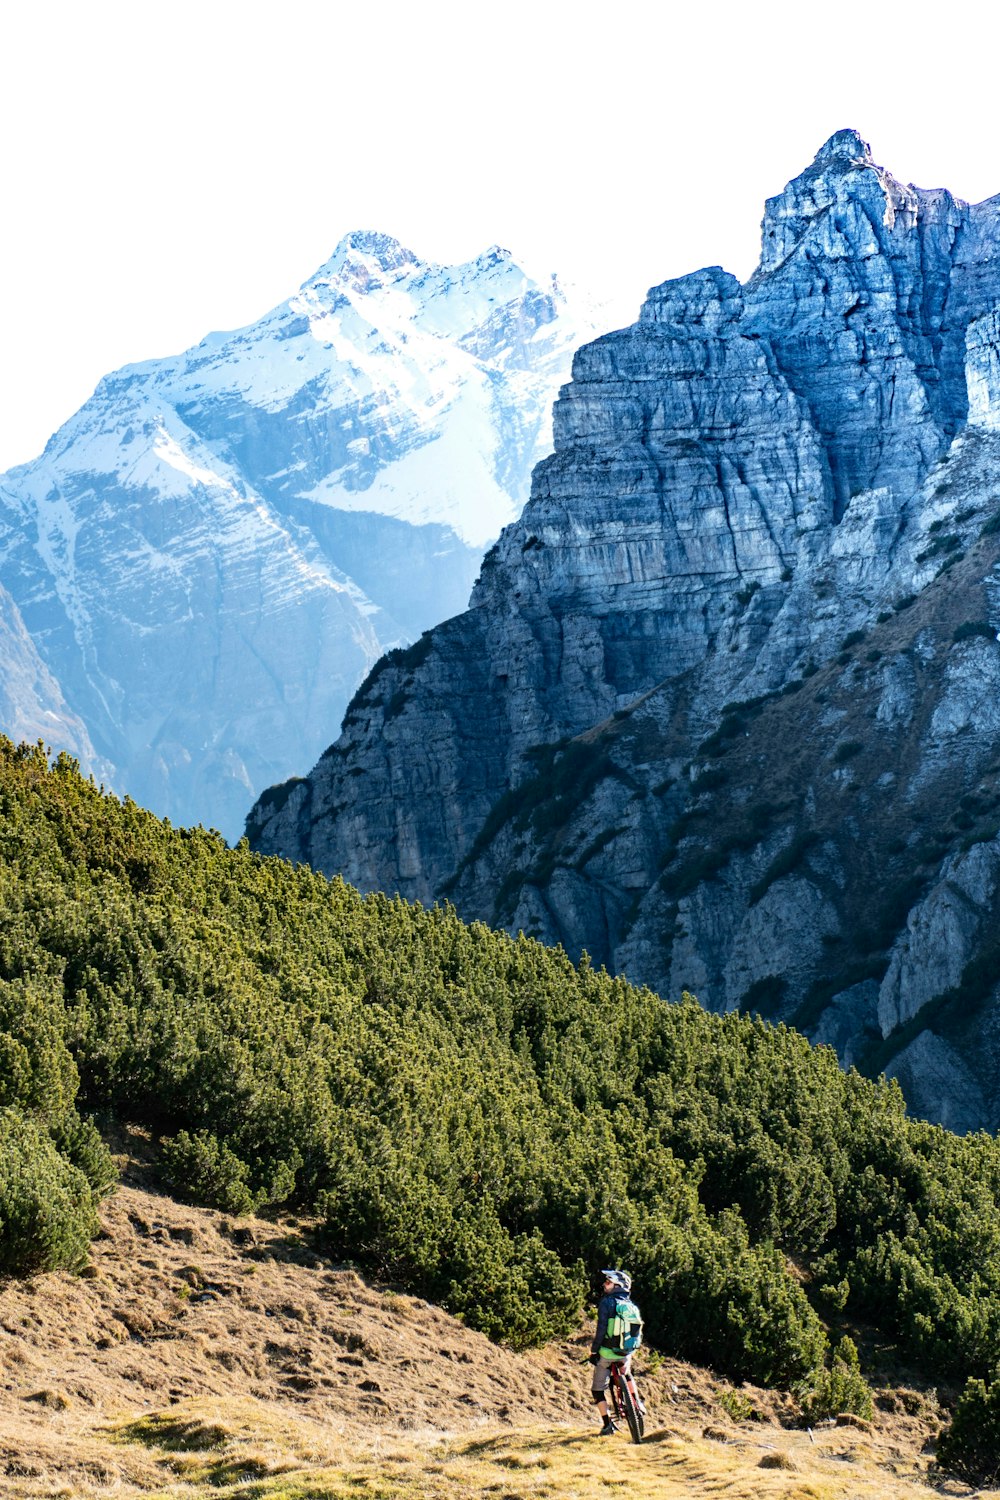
(608,1346)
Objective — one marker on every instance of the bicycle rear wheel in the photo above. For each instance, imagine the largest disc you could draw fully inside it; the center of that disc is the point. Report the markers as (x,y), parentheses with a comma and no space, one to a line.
(632,1416)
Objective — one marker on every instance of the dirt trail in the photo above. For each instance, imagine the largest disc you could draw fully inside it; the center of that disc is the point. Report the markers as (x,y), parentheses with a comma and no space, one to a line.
(198,1350)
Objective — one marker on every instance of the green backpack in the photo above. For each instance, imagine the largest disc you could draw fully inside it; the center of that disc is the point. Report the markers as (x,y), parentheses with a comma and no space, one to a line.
(624,1327)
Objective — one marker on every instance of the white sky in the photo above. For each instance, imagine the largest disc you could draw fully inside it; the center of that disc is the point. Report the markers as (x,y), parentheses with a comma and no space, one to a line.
(172,168)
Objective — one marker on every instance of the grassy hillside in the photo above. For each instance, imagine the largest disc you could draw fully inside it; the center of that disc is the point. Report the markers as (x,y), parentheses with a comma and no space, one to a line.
(202,1357)
(471,1116)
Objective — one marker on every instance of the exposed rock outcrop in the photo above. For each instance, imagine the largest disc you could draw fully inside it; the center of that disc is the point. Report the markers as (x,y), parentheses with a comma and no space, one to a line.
(723,710)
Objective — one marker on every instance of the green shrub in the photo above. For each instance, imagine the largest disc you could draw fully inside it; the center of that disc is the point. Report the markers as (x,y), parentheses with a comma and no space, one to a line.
(787,860)
(80,1143)
(471,1115)
(737,1406)
(970,1446)
(709,780)
(940,544)
(37,1072)
(514,1288)
(837,1387)
(47,1213)
(201,1169)
(765,996)
(596,846)
(730,1303)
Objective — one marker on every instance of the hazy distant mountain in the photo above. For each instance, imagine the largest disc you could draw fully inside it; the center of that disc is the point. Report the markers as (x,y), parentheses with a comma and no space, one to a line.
(211,553)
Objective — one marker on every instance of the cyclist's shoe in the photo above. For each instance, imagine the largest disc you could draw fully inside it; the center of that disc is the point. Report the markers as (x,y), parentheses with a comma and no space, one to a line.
(608,1428)
(642,1408)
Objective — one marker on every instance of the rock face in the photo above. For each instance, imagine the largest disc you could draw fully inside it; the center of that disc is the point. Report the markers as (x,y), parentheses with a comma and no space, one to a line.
(211,554)
(32,706)
(724,710)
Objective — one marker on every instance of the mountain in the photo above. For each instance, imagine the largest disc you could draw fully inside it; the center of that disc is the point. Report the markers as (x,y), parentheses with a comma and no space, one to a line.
(724,707)
(213,551)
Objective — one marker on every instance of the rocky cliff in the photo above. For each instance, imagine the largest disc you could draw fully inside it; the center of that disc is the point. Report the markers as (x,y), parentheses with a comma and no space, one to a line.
(724,710)
(212,552)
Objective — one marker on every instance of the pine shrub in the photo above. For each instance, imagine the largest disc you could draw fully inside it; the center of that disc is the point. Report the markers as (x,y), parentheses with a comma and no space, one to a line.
(970,1446)
(47,1214)
(201,1169)
(837,1387)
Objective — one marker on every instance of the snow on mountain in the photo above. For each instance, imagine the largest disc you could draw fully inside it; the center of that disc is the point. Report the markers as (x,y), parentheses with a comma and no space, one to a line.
(212,552)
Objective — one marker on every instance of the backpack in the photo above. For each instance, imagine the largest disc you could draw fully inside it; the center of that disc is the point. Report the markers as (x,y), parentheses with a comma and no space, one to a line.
(624,1326)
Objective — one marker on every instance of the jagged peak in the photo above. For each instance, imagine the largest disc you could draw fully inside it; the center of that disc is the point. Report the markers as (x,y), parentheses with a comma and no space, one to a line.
(493,256)
(846,146)
(365,258)
(366,249)
(843,171)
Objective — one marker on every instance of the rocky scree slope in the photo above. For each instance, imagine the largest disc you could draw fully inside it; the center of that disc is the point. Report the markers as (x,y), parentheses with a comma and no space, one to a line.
(724,710)
(212,552)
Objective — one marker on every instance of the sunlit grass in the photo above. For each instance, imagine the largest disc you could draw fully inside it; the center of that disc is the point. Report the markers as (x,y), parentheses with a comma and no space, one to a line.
(239,1451)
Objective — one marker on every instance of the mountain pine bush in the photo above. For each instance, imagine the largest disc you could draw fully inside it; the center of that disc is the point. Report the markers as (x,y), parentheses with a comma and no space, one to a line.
(970,1446)
(201,1169)
(839,1387)
(47,1206)
(469,1115)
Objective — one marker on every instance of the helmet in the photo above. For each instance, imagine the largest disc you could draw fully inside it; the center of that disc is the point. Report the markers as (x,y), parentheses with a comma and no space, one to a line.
(620,1278)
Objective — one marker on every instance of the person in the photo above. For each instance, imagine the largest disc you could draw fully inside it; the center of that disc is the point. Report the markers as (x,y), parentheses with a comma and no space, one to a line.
(608,1345)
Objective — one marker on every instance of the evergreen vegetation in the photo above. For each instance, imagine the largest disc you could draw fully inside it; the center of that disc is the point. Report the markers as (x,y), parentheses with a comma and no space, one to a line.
(840,1387)
(970,1447)
(471,1115)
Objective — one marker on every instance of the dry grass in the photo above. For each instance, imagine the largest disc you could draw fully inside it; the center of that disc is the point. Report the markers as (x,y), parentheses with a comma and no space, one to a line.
(199,1356)
(228,1455)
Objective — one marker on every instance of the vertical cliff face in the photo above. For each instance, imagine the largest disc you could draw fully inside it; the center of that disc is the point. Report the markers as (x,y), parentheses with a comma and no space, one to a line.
(744,484)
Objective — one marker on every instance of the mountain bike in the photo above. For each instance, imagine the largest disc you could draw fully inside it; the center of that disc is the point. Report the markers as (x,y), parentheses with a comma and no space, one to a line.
(623,1403)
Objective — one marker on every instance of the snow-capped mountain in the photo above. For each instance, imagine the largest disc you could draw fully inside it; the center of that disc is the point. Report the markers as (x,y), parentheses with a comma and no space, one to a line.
(211,553)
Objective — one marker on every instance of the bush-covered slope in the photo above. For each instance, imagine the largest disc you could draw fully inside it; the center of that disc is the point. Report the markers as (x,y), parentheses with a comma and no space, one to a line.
(470,1114)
